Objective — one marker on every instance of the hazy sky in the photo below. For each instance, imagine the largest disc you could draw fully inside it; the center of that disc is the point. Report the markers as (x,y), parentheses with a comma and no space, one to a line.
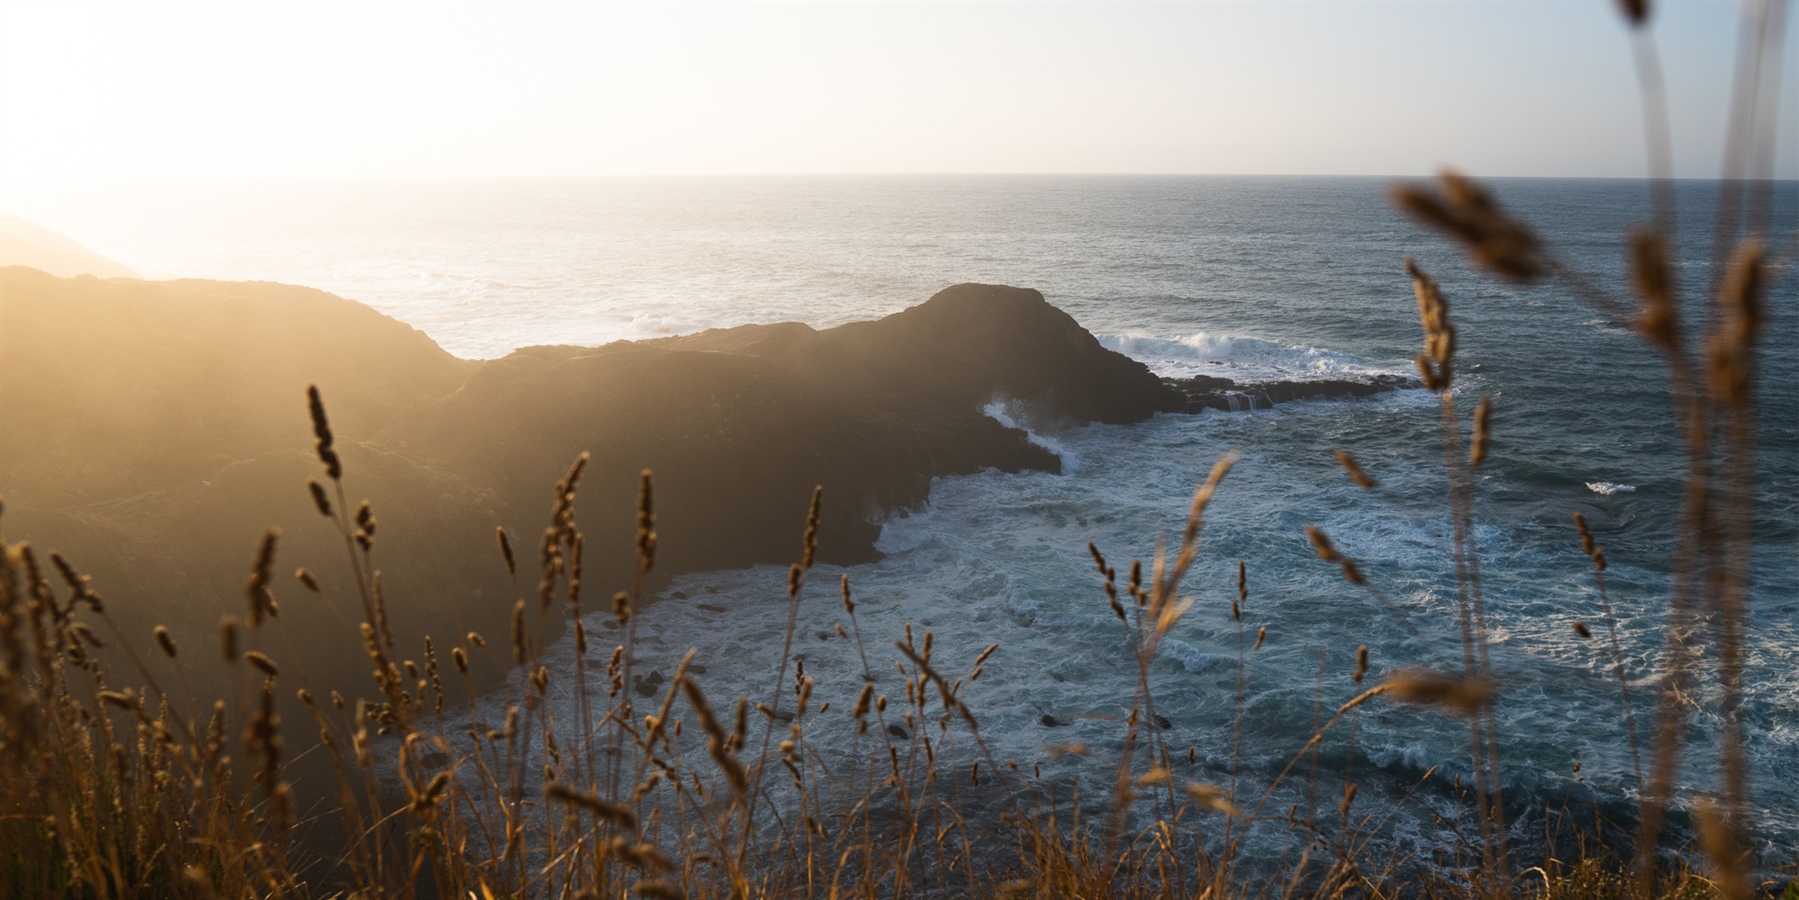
(198,91)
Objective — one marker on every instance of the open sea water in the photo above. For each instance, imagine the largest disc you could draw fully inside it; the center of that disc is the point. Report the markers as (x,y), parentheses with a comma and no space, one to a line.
(1250,278)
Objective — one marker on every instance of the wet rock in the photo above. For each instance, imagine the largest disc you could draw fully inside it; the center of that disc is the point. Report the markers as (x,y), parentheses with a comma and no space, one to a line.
(1201,392)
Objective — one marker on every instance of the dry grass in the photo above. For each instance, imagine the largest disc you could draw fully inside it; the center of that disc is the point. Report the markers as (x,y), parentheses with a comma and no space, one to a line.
(114,786)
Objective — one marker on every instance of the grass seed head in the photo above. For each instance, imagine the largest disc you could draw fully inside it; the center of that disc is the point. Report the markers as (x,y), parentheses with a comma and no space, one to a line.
(505,549)
(256,587)
(809,540)
(1460,208)
(319,501)
(166,641)
(519,644)
(616,813)
(263,662)
(1435,364)
(1210,797)
(1321,543)
(1460,695)
(321,428)
(646,520)
(1483,431)
(1242,591)
(1650,275)
(228,626)
(1730,355)
(1356,473)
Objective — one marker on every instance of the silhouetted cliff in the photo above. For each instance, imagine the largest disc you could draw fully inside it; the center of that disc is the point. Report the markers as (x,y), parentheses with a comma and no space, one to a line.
(155,429)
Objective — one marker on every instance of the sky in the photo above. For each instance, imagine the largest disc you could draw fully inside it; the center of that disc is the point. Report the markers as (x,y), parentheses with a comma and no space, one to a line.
(95,93)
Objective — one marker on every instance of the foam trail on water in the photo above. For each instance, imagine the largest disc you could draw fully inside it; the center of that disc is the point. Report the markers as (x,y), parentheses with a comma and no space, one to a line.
(1237,357)
(1608,488)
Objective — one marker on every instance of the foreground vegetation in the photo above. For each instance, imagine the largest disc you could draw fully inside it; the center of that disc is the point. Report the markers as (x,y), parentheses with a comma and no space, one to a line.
(113,783)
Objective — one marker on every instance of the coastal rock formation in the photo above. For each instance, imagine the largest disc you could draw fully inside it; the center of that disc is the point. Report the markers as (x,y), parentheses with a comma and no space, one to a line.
(154,430)
(739,423)
(114,387)
(736,441)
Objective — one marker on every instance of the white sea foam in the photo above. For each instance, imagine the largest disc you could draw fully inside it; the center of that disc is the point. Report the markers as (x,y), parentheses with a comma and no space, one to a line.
(1005,413)
(1191,659)
(1236,357)
(1608,488)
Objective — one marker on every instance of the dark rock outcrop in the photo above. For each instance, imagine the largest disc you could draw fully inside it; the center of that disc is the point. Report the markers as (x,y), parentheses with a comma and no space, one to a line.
(740,423)
(737,443)
(153,430)
(1200,392)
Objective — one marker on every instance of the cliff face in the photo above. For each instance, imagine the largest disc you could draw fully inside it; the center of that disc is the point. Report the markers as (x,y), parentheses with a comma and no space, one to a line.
(115,387)
(739,424)
(154,430)
(151,431)
(736,441)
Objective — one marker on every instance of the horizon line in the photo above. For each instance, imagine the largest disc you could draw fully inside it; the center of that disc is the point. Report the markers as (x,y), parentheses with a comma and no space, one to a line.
(9,187)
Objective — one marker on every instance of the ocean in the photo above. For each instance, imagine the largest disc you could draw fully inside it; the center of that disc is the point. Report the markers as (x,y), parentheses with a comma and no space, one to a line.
(1250,278)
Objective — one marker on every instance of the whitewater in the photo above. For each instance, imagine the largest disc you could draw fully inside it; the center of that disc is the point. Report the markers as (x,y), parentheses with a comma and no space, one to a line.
(1247,278)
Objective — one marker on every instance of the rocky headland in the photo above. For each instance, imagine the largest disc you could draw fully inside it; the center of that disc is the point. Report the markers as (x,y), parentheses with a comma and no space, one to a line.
(154,430)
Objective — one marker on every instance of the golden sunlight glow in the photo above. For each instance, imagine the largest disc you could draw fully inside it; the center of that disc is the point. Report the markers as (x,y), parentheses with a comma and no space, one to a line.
(154,92)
